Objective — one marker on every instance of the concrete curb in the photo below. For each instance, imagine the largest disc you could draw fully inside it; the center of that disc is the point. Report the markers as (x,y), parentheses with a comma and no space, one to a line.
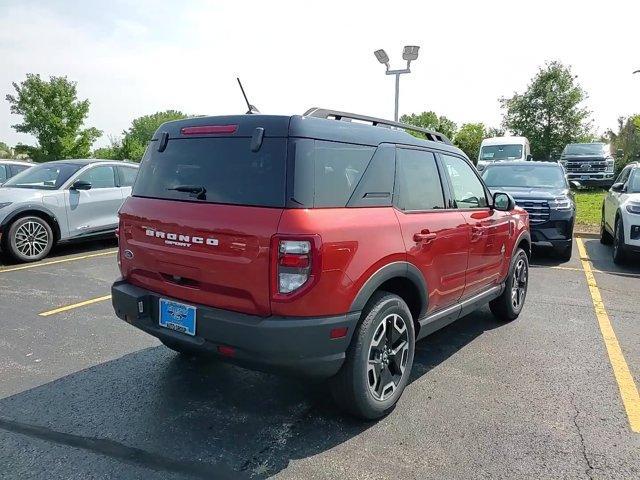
(586,235)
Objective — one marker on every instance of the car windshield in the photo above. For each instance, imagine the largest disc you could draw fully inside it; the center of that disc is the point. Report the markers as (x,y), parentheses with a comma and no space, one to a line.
(44,176)
(492,153)
(527,176)
(584,149)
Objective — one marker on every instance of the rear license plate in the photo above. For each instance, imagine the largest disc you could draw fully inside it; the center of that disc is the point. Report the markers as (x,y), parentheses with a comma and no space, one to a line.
(178,316)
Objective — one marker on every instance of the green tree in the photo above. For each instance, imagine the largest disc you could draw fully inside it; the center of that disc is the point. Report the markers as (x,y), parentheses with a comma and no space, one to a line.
(431,121)
(52,113)
(469,138)
(626,138)
(550,113)
(5,151)
(112,152)
(141,131)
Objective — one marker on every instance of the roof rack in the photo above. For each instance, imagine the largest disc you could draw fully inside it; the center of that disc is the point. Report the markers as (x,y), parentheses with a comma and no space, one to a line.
(376,122)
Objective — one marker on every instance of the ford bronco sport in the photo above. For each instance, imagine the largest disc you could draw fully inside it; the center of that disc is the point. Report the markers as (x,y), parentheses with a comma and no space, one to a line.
(323,245)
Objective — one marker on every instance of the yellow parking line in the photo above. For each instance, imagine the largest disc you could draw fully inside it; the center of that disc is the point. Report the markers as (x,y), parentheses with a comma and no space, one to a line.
(628,389)
(75,305)
(54,262)
(573,269)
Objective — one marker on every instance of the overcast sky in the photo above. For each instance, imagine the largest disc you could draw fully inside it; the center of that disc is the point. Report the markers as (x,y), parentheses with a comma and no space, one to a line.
(135,58)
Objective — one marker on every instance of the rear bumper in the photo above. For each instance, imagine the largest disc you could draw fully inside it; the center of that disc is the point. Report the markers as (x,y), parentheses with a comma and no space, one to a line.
(298,346)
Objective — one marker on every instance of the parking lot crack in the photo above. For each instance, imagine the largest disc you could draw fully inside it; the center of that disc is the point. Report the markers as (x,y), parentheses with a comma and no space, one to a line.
(124,453)
(590,468)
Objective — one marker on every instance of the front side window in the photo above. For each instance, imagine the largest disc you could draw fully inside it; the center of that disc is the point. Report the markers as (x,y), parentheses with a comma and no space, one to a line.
(468,191)
(3,173)
(624,175)
(99,177)
(419,185)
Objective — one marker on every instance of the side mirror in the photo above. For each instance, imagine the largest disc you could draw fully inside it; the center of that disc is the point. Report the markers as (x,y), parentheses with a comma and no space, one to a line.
(529,158)
(617,187)
(575,184)
(619,153)
(81,185)
(503,202)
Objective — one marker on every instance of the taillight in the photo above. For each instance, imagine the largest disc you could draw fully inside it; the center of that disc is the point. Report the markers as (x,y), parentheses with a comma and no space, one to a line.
(296,263)
(209,130)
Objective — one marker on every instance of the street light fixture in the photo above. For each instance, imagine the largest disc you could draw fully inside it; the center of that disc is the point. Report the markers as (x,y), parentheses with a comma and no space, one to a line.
(409,53)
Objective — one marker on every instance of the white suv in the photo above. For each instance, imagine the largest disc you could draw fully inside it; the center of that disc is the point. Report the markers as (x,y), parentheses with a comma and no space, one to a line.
(620,222)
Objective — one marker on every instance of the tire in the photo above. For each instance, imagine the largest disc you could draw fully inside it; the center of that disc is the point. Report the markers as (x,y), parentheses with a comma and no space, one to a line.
(564,254)
(373,378)
(182,349)
(605,237)
(619,253)
(29,239)
(509,304)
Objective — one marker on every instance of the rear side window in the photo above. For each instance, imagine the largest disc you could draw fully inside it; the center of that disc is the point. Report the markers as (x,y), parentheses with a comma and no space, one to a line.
(327,173)
(419,185)
(127,176)
(215,170)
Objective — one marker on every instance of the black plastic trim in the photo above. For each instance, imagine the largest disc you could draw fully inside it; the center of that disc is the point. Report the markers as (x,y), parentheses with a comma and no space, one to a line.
(393,270)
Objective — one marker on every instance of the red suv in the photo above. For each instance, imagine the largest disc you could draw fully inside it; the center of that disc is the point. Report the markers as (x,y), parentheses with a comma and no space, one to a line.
(324,245)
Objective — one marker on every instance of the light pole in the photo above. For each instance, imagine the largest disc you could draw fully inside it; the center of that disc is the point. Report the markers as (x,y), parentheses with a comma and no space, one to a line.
(409,53)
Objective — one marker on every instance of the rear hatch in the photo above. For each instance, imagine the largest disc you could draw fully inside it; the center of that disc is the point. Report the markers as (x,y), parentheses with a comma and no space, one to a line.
(203,210)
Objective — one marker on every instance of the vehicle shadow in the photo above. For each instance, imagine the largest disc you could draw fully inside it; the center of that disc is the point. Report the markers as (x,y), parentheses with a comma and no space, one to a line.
(601,257)
(159,410)
(72,248)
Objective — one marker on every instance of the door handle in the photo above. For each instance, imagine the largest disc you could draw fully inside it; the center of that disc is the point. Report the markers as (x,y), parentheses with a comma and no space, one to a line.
(425,236)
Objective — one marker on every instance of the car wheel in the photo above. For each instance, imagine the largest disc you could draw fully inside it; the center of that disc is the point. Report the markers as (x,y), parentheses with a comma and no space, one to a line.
(379,360)
(29,239)
(509,304)
(564,253)
(618,242)
(605,237)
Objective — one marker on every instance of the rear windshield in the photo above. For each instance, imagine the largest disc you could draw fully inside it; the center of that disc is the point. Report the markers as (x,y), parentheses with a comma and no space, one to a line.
(215,170)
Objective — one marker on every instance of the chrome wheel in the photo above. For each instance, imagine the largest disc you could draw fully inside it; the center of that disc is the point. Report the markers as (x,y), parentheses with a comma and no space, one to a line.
(519,284)
(388,355)
(31,239)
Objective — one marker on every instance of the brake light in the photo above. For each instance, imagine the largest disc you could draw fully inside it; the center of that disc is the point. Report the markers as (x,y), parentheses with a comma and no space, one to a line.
(296,263)
(209,129)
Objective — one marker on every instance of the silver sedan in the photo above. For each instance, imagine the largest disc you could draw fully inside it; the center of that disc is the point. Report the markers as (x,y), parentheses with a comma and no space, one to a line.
(61,201)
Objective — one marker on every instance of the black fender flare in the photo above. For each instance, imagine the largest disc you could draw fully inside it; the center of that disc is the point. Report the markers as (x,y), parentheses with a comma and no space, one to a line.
(32,207)
(526,235)
(393,270)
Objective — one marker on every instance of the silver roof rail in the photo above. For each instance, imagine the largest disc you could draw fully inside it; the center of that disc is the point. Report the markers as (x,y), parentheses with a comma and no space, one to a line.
(376,122)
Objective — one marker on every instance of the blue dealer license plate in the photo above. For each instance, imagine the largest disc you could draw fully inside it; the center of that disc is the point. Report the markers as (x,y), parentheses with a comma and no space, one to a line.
(178,316)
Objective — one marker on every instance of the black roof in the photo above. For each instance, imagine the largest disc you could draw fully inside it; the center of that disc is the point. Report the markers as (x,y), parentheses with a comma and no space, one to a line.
(307,127)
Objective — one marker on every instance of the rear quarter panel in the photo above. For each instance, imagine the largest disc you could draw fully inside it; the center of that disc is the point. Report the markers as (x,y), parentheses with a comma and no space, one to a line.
(356,242)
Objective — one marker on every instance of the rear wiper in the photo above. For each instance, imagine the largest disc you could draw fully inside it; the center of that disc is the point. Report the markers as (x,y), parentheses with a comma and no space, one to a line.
(200,192)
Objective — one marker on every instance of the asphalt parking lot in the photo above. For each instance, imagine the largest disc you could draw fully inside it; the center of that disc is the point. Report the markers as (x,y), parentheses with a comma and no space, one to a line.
(84,395)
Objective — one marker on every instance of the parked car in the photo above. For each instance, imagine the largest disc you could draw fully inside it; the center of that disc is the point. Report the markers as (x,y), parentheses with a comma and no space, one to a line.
(61,201)
(314,246)
(591,164)
(541,188)
(502,149)
(10,168)
(620,223)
